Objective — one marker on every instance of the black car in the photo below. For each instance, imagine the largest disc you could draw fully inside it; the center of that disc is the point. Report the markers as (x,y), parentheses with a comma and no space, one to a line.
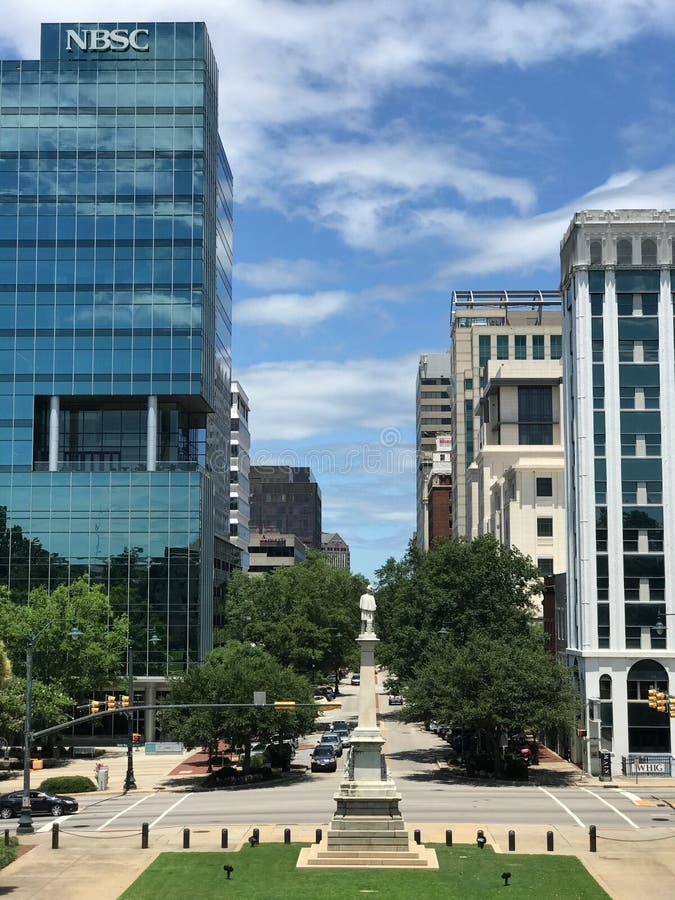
(40,802)
(323,759)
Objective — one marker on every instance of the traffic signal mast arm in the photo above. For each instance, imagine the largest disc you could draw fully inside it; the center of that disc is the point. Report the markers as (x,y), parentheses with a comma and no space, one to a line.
(54,729)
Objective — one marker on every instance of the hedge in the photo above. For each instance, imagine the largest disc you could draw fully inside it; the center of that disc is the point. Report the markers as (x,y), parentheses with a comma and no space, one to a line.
(68,784)
(8,853)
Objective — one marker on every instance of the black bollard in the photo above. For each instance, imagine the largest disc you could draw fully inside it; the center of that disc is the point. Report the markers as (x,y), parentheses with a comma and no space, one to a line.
(255,834)
(448,837)
(287,835)
(417,837)
(318,835)
(145,833)
(186,839)
(6,837)
(223,839)
(481,840)
(55,836)
(593,839)
(512,841)
(549,841)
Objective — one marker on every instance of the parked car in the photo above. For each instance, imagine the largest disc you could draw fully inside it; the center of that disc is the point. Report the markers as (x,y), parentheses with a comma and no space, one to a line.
(323,758)
(342,723)
(40,802)
(332,740)
(395,700)
(327,691)
(356,679)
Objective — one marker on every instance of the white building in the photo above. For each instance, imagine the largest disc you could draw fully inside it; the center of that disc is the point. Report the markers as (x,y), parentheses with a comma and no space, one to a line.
(620,447)
(240,463)
(516,482)
(432,417)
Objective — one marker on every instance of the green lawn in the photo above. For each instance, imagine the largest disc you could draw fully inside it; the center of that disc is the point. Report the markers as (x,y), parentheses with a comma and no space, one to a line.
(268,872)
(8,853)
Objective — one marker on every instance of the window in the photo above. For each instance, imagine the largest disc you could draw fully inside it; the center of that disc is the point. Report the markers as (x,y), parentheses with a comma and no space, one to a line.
(545,565)
(556,346)
(483,349)
(545,527)
(468,384)
(537,346)
(544,487)
(502,346)
(624,252)
(535,415)
(648,252)
(596,253)
(520,346)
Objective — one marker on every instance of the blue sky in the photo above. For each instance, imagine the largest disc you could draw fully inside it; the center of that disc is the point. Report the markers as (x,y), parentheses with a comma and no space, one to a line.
(385,153)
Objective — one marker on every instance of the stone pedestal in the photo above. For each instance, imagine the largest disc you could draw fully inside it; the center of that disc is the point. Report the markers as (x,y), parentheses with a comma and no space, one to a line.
(367,828)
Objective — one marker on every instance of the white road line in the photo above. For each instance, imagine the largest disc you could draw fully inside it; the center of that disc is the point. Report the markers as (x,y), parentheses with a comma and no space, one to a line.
(632,797)
(168,809)
(617,811)
(560,803)
(125,810)
(48,826)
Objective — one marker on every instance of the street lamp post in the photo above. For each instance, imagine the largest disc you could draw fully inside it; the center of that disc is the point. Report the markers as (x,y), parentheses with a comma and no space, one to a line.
(129,779)
(25,825)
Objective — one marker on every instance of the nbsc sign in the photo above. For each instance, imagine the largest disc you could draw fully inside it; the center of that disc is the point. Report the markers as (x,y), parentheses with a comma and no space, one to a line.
(101,39)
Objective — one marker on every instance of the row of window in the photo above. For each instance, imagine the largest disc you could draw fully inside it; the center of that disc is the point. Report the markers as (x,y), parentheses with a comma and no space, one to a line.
(520,342)
(625,255)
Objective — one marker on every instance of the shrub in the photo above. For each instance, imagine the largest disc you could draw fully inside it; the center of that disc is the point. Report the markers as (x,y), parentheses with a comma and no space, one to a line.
(8,853)
(515,768)
(257,761)
(68,784)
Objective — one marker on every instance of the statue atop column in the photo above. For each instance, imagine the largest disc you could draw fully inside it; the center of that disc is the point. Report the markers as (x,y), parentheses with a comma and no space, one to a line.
(367,606)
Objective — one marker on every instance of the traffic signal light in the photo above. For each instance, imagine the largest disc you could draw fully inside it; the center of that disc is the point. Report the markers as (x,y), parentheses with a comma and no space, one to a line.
(671,704)
(652,698)
(95,705)
(660,702)
(124,701)
(284,704)
(111,702)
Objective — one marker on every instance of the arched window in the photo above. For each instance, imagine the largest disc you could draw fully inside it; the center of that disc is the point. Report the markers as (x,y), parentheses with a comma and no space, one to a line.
(648,730)
(596,253)
(624,252)
(648,252)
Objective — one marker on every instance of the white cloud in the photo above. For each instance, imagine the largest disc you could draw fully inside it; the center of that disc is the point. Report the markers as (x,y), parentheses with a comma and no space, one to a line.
(283,274)
(298,311)
(511,244)
(300,399)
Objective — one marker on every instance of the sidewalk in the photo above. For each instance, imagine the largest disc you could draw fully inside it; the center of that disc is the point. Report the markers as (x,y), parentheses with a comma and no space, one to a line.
(625,866)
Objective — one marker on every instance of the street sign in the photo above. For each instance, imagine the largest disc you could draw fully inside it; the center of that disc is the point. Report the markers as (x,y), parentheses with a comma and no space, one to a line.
(259,698)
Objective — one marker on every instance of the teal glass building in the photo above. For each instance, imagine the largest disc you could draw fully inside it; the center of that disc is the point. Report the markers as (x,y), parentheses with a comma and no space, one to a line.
(115,326)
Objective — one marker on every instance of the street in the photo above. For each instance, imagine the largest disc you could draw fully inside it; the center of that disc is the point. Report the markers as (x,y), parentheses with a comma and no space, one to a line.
(428,795)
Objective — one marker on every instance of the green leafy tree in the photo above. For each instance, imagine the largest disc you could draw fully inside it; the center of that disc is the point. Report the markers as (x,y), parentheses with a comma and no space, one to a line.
(460,587)
(49,707)
(5,666)
(306,616)
(231,674)
(494,685)
(77,665)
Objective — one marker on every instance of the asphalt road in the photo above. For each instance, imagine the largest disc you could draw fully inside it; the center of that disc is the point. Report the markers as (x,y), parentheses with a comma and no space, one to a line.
(427,795)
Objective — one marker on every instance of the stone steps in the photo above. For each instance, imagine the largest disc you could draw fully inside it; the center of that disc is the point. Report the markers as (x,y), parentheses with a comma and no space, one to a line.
(382,854)
(372,861)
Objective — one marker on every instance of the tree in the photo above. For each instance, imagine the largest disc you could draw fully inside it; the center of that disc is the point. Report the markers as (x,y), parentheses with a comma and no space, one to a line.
(306,616)
(461,587)
(49,707)
(231,674)
(494,685)
(5,666)
(78,665)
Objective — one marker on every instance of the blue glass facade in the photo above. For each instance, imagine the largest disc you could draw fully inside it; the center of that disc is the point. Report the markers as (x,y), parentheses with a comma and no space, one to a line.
(115,325)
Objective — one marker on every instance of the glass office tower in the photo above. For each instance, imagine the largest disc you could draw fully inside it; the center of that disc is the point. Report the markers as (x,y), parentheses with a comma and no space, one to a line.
(115,326)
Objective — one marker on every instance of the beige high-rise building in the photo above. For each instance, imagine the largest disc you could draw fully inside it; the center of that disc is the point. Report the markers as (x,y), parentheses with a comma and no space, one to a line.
(516,483)
(518,326)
